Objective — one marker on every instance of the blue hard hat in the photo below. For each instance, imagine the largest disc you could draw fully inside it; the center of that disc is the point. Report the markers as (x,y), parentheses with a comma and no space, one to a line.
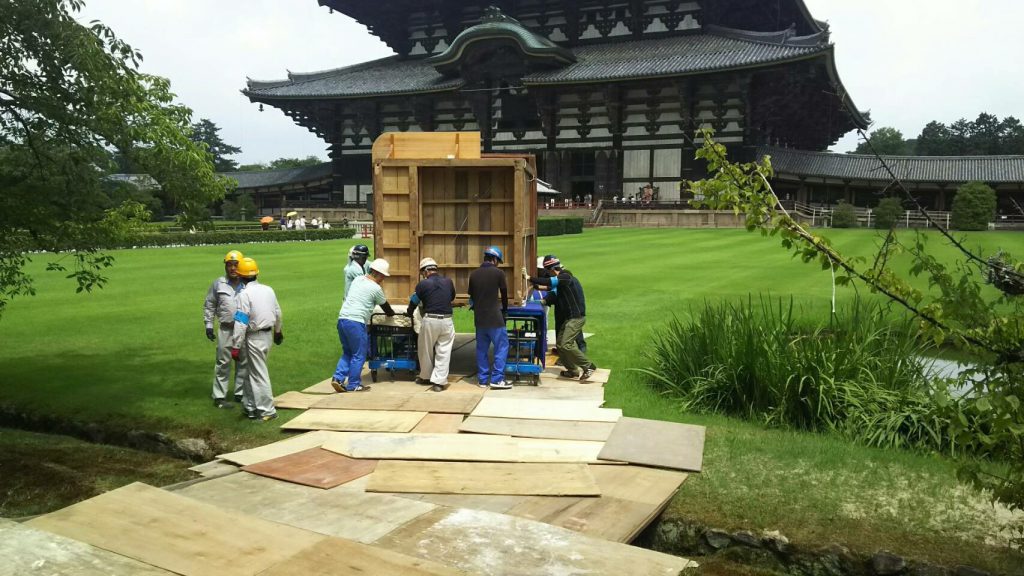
(496,252)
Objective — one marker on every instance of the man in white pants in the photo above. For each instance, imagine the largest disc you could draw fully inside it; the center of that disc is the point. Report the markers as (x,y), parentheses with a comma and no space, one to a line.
(435,294)
(257,316)
(219,308)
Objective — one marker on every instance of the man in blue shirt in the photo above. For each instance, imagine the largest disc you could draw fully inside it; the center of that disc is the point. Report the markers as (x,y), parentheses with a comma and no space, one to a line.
(435,294)
(365,295)
(488,295)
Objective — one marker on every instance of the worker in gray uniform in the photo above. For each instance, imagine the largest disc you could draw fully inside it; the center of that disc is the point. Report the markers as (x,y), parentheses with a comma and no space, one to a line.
(219,319)
(257,323)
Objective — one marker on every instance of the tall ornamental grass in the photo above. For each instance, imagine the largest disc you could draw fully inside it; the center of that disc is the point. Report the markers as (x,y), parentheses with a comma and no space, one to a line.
(860,374)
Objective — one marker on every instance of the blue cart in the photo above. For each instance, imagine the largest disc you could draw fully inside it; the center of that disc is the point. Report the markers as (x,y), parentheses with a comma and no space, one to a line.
(527,329)
(392,345)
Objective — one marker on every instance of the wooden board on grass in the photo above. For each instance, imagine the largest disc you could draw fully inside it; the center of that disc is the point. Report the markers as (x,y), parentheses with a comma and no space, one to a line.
(176,533)
(483,478)
(445,402)
(487,543)
(552,429)
(439,424)
(315,467)
(346,511)
(600,376)
(464,448)
(355,420)
(280,448)
(296,400)
(656,443)
(28,551)
(563,391)
(336,556)
(533,409)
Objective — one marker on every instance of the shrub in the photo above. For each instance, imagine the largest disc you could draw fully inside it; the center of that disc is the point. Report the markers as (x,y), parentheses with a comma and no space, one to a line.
(860,375)
(888,212)
(229,237)
(974,206)
(844,216)
(556,226)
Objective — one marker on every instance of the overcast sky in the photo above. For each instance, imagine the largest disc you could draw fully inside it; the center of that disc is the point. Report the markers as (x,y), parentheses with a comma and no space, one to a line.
(907,61)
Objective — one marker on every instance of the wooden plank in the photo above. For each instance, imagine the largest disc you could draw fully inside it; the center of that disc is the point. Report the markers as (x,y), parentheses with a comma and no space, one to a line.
(490,502)
(465,447)
(335,556)
(656,443)
(391,146)
(600,376)
(355,420)
(296,400)
(553,429)
(483,478)
(533,409)
(544,450)
(439,424)
(176,533)
(447,403)
(214,468)
(280,448)
(315,467)
(28,551)
(563,391)
(487,543)
(346,511)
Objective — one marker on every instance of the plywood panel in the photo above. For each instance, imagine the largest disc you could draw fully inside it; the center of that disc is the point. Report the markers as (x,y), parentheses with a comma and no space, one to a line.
(296,400)
(176,533)
(656,443)
(464,447)
(439,424)
(483,478)
(25,550)
(592,393)
(449,402)
(315,467)
(533,409)
(355,420)
(324,386)
(346,511)
(487,543)
(600,376)
(426,145)
(214,468)
(280,448)
(554,429)
(335,556)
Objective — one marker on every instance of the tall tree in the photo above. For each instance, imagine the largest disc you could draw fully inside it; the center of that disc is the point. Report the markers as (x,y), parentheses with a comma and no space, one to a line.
(208,133)
(282,164)
(886,141)
(70,97)
(934,140)
(984,136)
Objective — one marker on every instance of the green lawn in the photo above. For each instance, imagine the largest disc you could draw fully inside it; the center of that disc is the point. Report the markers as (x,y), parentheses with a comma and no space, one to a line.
(135,354)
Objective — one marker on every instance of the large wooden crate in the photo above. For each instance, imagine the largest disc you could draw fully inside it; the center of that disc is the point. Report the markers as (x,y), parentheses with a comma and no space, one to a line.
(451,209)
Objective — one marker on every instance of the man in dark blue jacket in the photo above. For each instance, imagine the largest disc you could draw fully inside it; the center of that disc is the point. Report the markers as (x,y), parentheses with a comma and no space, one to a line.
(570,305)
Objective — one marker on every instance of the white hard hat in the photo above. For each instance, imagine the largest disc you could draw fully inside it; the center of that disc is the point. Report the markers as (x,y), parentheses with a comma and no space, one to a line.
(426,262)
(381,266)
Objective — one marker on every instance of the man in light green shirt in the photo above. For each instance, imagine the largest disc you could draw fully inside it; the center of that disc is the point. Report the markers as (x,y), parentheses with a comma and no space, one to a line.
(357,265)
(364,295)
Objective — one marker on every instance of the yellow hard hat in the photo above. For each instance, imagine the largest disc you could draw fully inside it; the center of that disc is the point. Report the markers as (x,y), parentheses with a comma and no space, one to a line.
(233,256)
(247,268)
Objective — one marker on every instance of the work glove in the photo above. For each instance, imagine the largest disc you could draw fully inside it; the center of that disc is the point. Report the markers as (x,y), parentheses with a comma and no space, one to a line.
(210,335)
(278,338)
(410,313)
(235,352)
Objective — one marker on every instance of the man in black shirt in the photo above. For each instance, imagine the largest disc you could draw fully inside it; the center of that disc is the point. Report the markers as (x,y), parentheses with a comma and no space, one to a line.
(435,294)
(571,305)
(488,296)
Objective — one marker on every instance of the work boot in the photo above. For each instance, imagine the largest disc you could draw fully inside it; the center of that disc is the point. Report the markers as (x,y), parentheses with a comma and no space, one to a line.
(423,381)
(438,388)
(569,374)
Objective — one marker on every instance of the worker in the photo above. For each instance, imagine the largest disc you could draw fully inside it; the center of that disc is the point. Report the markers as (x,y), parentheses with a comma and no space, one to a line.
(219,308)
(488,296)
(549,279)
(356,267)
(365,295)
(570,305)
(437,332)
(258,315)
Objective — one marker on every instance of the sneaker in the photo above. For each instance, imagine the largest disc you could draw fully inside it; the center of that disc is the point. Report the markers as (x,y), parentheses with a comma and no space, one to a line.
(502,385)
(588,372)
(438,388)
(248,414)
(483,385)
(222,403)
(569,374)
(423,382)
(338,385)
(359,388)
(266,417)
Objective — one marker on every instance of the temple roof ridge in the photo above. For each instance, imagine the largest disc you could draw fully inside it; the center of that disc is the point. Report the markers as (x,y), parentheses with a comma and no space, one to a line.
(786,37)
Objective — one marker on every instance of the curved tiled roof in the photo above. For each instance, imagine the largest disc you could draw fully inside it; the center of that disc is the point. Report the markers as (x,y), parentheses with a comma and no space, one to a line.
(938,169)
(284,177)
(662,57)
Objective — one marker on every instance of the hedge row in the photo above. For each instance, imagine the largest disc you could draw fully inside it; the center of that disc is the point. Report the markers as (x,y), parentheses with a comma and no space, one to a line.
(556,226)
(230,237)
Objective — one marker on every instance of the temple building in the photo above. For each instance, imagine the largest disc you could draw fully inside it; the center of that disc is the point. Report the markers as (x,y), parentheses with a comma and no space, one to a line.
(606,93)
